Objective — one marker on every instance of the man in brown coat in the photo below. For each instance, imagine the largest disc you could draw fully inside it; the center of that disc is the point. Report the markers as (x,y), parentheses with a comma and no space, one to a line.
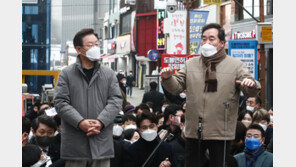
(213,82)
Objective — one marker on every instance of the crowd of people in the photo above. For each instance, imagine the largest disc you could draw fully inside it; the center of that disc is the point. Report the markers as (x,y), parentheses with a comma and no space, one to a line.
(200,119)
(139,128)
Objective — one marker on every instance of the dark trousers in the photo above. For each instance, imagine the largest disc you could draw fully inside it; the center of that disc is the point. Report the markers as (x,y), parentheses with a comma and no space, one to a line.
(196,156)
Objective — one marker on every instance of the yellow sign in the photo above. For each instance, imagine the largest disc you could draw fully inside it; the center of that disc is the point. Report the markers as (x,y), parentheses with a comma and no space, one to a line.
(212,2)
(266,34)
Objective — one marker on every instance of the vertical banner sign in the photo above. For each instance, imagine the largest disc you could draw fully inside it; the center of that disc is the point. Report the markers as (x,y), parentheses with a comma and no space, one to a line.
(246,51)
(175,62)
(212,2)
(177,23)
(160,37)
(197,20)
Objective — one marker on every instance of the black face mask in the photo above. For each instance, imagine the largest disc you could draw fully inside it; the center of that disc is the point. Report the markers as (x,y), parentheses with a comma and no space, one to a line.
(44,141)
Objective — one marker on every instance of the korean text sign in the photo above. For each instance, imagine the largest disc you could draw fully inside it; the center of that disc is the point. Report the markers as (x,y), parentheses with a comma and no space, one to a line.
(160,41)
(175,62)
(177,23)
(246,51)
(197,20)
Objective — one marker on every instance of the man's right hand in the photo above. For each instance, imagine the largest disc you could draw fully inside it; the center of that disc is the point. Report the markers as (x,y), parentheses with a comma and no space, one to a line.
(167,72)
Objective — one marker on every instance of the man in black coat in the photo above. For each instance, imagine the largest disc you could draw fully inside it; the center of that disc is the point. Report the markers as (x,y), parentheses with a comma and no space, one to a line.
(129,83)
(154,96)
(138,152)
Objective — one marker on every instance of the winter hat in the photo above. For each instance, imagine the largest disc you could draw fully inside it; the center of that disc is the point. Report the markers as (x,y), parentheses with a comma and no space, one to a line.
(128,108)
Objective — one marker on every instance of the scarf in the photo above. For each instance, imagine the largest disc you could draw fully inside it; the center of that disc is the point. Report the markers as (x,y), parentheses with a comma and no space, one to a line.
(252,156)
(210,63)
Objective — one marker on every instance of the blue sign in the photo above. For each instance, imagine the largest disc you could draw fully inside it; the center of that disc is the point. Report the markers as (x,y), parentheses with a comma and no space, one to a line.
(153,55)
(197,19)
(246,51)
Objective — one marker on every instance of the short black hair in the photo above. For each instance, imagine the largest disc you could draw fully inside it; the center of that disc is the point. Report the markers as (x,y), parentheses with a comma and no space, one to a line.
(146,115)
(44,119)
(128,117)
(129,133)
(26,125)
(77,41)
(243,113)
(30,155)
(258,100)
(258,127)
(142,106)
(221,32)
(153,85)
(170,109)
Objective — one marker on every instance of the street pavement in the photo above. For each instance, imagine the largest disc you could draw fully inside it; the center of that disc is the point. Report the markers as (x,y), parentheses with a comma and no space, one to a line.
(136,97)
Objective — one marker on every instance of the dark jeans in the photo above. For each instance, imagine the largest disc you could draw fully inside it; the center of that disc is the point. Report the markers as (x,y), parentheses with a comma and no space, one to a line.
(216,153)
(129,90)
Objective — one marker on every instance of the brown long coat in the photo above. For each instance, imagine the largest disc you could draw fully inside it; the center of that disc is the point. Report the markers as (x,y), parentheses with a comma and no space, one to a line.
(209,105)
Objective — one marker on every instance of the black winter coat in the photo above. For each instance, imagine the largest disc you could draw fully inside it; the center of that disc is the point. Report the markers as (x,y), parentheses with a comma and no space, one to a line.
(137,153)
(155,97)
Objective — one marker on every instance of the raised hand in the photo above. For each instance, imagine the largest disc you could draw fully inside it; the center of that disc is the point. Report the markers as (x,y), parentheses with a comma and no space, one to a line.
(167,72)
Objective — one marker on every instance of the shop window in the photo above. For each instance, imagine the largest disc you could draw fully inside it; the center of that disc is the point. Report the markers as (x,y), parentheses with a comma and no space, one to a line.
(126,24)
(269,7)
(31,10)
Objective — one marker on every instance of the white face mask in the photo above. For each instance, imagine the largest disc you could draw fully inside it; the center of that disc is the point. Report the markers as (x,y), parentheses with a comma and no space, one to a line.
(184,130)
(183,95)
(93,54)
(151,110)
(162,109)
(117,130)
(271,118)
(246,123)
(130,127)
(250,108)
(208,50)
(135,115)
(263,126)
(124,82)
(149,134)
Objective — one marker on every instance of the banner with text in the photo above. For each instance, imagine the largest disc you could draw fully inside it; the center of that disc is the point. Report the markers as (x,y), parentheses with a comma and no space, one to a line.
(246,51)
(197,20)
(160,37)
(177,23)
(175,62)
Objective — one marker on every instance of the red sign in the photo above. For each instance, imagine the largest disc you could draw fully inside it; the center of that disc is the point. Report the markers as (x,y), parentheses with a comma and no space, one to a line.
(174,61)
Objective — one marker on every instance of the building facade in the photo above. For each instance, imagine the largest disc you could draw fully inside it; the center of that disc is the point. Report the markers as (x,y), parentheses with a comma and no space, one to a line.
(36,42)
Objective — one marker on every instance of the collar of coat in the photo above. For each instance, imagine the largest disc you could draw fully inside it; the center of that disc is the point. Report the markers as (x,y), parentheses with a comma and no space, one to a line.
(79,65)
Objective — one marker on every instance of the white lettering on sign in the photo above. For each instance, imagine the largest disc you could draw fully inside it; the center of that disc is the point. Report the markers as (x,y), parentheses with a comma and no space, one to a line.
(247,56)
(244,35)
(124,9)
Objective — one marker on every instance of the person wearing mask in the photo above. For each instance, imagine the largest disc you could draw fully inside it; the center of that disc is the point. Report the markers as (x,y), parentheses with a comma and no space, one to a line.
(138,152)
(129,122)
(246,117)
(172,120)
(44,128)
(160,119)
(87,97)
(270,112)
(122,83)
(130,80)
(154,96)
(129,109)
(213,82)
(253,103)
(262,118)
(118,137)
(254,153)
(31,155)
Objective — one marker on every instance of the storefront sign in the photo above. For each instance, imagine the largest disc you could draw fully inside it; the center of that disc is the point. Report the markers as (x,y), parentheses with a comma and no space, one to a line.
(244,35)
(246,51)
(130,2)
(212,2)
(160,38)
(177,23)
(124,9)
(264,31)
(175,62)
(197,20)
(111,46)
(123,44)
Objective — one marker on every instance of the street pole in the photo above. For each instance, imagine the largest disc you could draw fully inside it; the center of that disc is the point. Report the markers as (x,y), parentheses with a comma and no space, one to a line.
(262,58)
(187,27)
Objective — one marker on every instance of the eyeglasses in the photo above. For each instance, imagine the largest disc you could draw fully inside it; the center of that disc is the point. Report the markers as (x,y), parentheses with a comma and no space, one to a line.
(145,127)
(90,45)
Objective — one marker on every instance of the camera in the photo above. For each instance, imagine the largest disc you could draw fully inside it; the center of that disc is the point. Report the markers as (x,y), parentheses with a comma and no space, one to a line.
(171,6)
